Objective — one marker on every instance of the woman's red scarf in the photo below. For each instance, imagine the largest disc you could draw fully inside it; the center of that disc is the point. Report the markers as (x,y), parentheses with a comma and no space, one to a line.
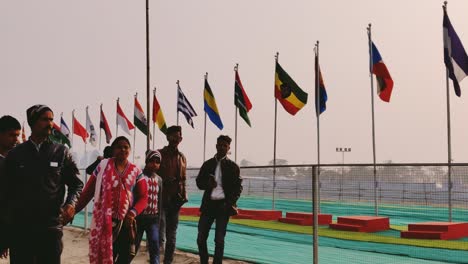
(100,240)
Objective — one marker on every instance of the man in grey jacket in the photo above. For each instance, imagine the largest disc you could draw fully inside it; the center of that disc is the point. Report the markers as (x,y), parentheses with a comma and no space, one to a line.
(37,173)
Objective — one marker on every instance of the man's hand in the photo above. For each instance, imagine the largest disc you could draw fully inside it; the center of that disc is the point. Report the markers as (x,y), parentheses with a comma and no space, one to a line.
(68,212)
(211,181)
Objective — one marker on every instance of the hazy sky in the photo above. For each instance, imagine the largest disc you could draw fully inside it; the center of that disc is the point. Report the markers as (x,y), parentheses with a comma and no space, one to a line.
(73,54)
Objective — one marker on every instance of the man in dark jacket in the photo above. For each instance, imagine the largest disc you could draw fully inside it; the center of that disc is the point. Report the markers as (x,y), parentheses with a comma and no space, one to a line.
(37,173)
(174,195)
(220,178)
(9,132)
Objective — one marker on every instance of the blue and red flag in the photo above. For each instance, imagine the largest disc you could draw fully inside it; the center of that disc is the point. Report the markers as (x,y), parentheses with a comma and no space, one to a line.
(321,96)
(384,80)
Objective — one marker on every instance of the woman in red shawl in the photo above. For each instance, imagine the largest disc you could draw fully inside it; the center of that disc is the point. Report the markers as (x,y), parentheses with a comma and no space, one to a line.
(118,199)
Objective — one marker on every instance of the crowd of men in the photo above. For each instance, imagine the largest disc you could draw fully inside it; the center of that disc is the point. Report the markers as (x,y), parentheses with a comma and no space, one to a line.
(41,192)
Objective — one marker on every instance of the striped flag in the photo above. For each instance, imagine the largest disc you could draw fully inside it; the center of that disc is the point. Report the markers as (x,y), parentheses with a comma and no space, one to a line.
(211,109)
(288,93)
(103,124)
(184,106)
(158,116)
(241,100)
(139,118)
(123,121)
(91,130)
(455,57)
(64,128)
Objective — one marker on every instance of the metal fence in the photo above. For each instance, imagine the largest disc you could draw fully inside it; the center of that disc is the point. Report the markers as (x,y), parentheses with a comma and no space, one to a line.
(397,184)
(394,184)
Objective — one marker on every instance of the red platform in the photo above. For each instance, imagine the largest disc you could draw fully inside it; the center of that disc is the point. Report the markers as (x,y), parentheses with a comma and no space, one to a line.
(436,230)
(191,211)
(265,215)
(362,223)
(306,219)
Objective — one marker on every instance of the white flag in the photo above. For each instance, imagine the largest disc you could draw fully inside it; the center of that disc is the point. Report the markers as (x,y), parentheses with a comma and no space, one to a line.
(91,130)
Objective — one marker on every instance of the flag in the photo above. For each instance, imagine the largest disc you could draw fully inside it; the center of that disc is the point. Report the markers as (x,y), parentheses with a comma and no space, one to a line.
(210,106)
(241,100)
(23,134)
(158,116)
(184,106)
(64,128)
(58,137)
(288,93)
(384,80)
(123,121)
(455,57)
(321,96)
(79,130)
(105,126)
(91,130)
(139,118)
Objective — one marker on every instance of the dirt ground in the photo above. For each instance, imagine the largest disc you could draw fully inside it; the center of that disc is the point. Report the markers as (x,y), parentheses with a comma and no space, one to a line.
(75,251)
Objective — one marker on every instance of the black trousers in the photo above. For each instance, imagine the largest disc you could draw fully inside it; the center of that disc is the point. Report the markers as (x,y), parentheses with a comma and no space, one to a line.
(121,247)
(36,245)
(216,212)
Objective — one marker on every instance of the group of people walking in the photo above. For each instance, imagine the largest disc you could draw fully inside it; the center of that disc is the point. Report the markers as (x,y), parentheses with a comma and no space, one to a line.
(41,192)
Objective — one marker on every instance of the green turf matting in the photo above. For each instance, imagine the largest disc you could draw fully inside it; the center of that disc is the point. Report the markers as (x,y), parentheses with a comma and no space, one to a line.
(275,242)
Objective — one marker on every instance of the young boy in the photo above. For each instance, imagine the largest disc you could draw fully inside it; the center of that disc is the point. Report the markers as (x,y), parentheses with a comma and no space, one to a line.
(148,220)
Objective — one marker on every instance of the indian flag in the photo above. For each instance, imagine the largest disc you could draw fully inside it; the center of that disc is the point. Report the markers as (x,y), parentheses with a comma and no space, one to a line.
(158,116)
(139,118)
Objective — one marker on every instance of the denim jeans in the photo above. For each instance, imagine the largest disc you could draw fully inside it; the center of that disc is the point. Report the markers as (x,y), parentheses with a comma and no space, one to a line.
(170,221)
(151,227)
(218,213)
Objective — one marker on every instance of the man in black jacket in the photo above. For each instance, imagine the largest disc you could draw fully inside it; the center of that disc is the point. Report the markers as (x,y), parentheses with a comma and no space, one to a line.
(37,173)
(9,132)
(220,178)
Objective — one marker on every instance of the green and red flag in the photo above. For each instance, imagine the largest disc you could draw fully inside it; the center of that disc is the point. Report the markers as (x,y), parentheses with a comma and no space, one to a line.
(241,100)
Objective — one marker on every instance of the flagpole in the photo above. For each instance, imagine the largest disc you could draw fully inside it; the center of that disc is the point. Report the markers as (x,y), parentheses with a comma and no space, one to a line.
(61,117)
(316,198)
(86,180)
(134,134)
(317,111)
(376,208)
(100,130)
(235,116)
(148,77)
(449,138)
(177,109)
(204,133)
(274,141)
(154,122)
(73,126)
(117,120)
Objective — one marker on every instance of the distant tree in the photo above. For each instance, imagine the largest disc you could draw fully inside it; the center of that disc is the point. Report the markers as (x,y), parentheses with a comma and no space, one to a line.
(287,172)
